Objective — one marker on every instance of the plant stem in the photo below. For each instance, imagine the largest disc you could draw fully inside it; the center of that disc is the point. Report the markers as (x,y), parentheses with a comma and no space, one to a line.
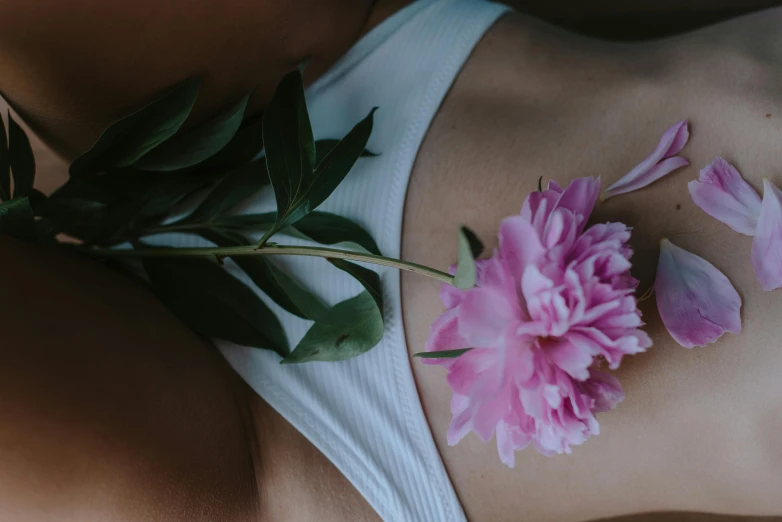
(277,250)
(269,233)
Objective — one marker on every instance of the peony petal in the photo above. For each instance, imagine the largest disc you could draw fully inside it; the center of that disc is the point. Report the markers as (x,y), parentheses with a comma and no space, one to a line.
(696,302)
(485,314)
(574,355)
(537,206)
(505,445)
(444,335)
(722,193)
(467,369)
(767,246)
(663,168)
(605,389)
(461,424)
(488,415)
(657,164)
(580,197)
(519,245)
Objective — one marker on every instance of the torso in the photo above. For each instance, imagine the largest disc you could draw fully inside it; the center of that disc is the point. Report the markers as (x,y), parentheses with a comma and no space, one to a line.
(697,430)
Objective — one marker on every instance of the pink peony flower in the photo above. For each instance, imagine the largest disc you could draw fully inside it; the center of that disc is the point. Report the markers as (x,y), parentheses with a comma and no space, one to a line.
(662,161)
(552,299)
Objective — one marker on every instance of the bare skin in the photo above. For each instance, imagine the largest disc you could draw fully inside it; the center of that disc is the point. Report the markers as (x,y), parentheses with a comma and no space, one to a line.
(150,424)
(71,68)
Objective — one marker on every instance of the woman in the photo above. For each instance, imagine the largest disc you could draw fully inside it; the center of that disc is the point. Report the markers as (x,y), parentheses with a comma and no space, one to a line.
(111,409)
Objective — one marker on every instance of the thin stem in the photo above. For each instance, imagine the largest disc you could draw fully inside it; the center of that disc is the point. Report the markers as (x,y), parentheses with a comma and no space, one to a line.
(277,250)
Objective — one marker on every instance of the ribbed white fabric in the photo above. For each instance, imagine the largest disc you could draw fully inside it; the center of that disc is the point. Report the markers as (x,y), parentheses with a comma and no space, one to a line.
(364,414)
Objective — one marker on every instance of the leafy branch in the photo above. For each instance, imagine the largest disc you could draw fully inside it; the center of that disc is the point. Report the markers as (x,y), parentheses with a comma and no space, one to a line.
(150,174)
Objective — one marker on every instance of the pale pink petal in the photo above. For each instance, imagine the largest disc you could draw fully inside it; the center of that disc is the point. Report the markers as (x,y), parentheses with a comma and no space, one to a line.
(444,335)
(663,168)
(555,228)
(580,197)
(545,305)
(657,164)
(493,272)
(467,369)
(485,314)
(722,193)
(537,206)
(572,356)
(488,415)
(461,423)
(696,302)
(505,446)
(519,244)
(605,389)
(489,272)
(767,245)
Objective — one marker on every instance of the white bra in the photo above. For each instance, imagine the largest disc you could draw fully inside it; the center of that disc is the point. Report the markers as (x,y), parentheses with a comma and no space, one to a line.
(364,414)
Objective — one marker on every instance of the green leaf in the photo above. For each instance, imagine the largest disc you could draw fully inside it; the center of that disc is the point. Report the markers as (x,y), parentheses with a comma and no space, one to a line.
(130,138)
(248,221)
(323,147)
(245,146)
(75,217)
(476,247)
(350,328)
(5,171)
(288,142)
(443,354)
(540,184)
(21,159)
(466,273)
(155,203)
(368,279)
(192,146)
(321,227)
(299,185)
(238,185)
(282,288)
(133,200)
(17,220)
(69,210)
(215,304)
(331,229)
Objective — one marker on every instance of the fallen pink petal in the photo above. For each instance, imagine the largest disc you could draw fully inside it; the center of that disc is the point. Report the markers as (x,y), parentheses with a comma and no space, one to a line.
(722,193)
(696,302)
(659,163)
(767,246)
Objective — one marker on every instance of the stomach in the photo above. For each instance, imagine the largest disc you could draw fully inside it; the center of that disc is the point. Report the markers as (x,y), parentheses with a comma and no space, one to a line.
(698,428)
